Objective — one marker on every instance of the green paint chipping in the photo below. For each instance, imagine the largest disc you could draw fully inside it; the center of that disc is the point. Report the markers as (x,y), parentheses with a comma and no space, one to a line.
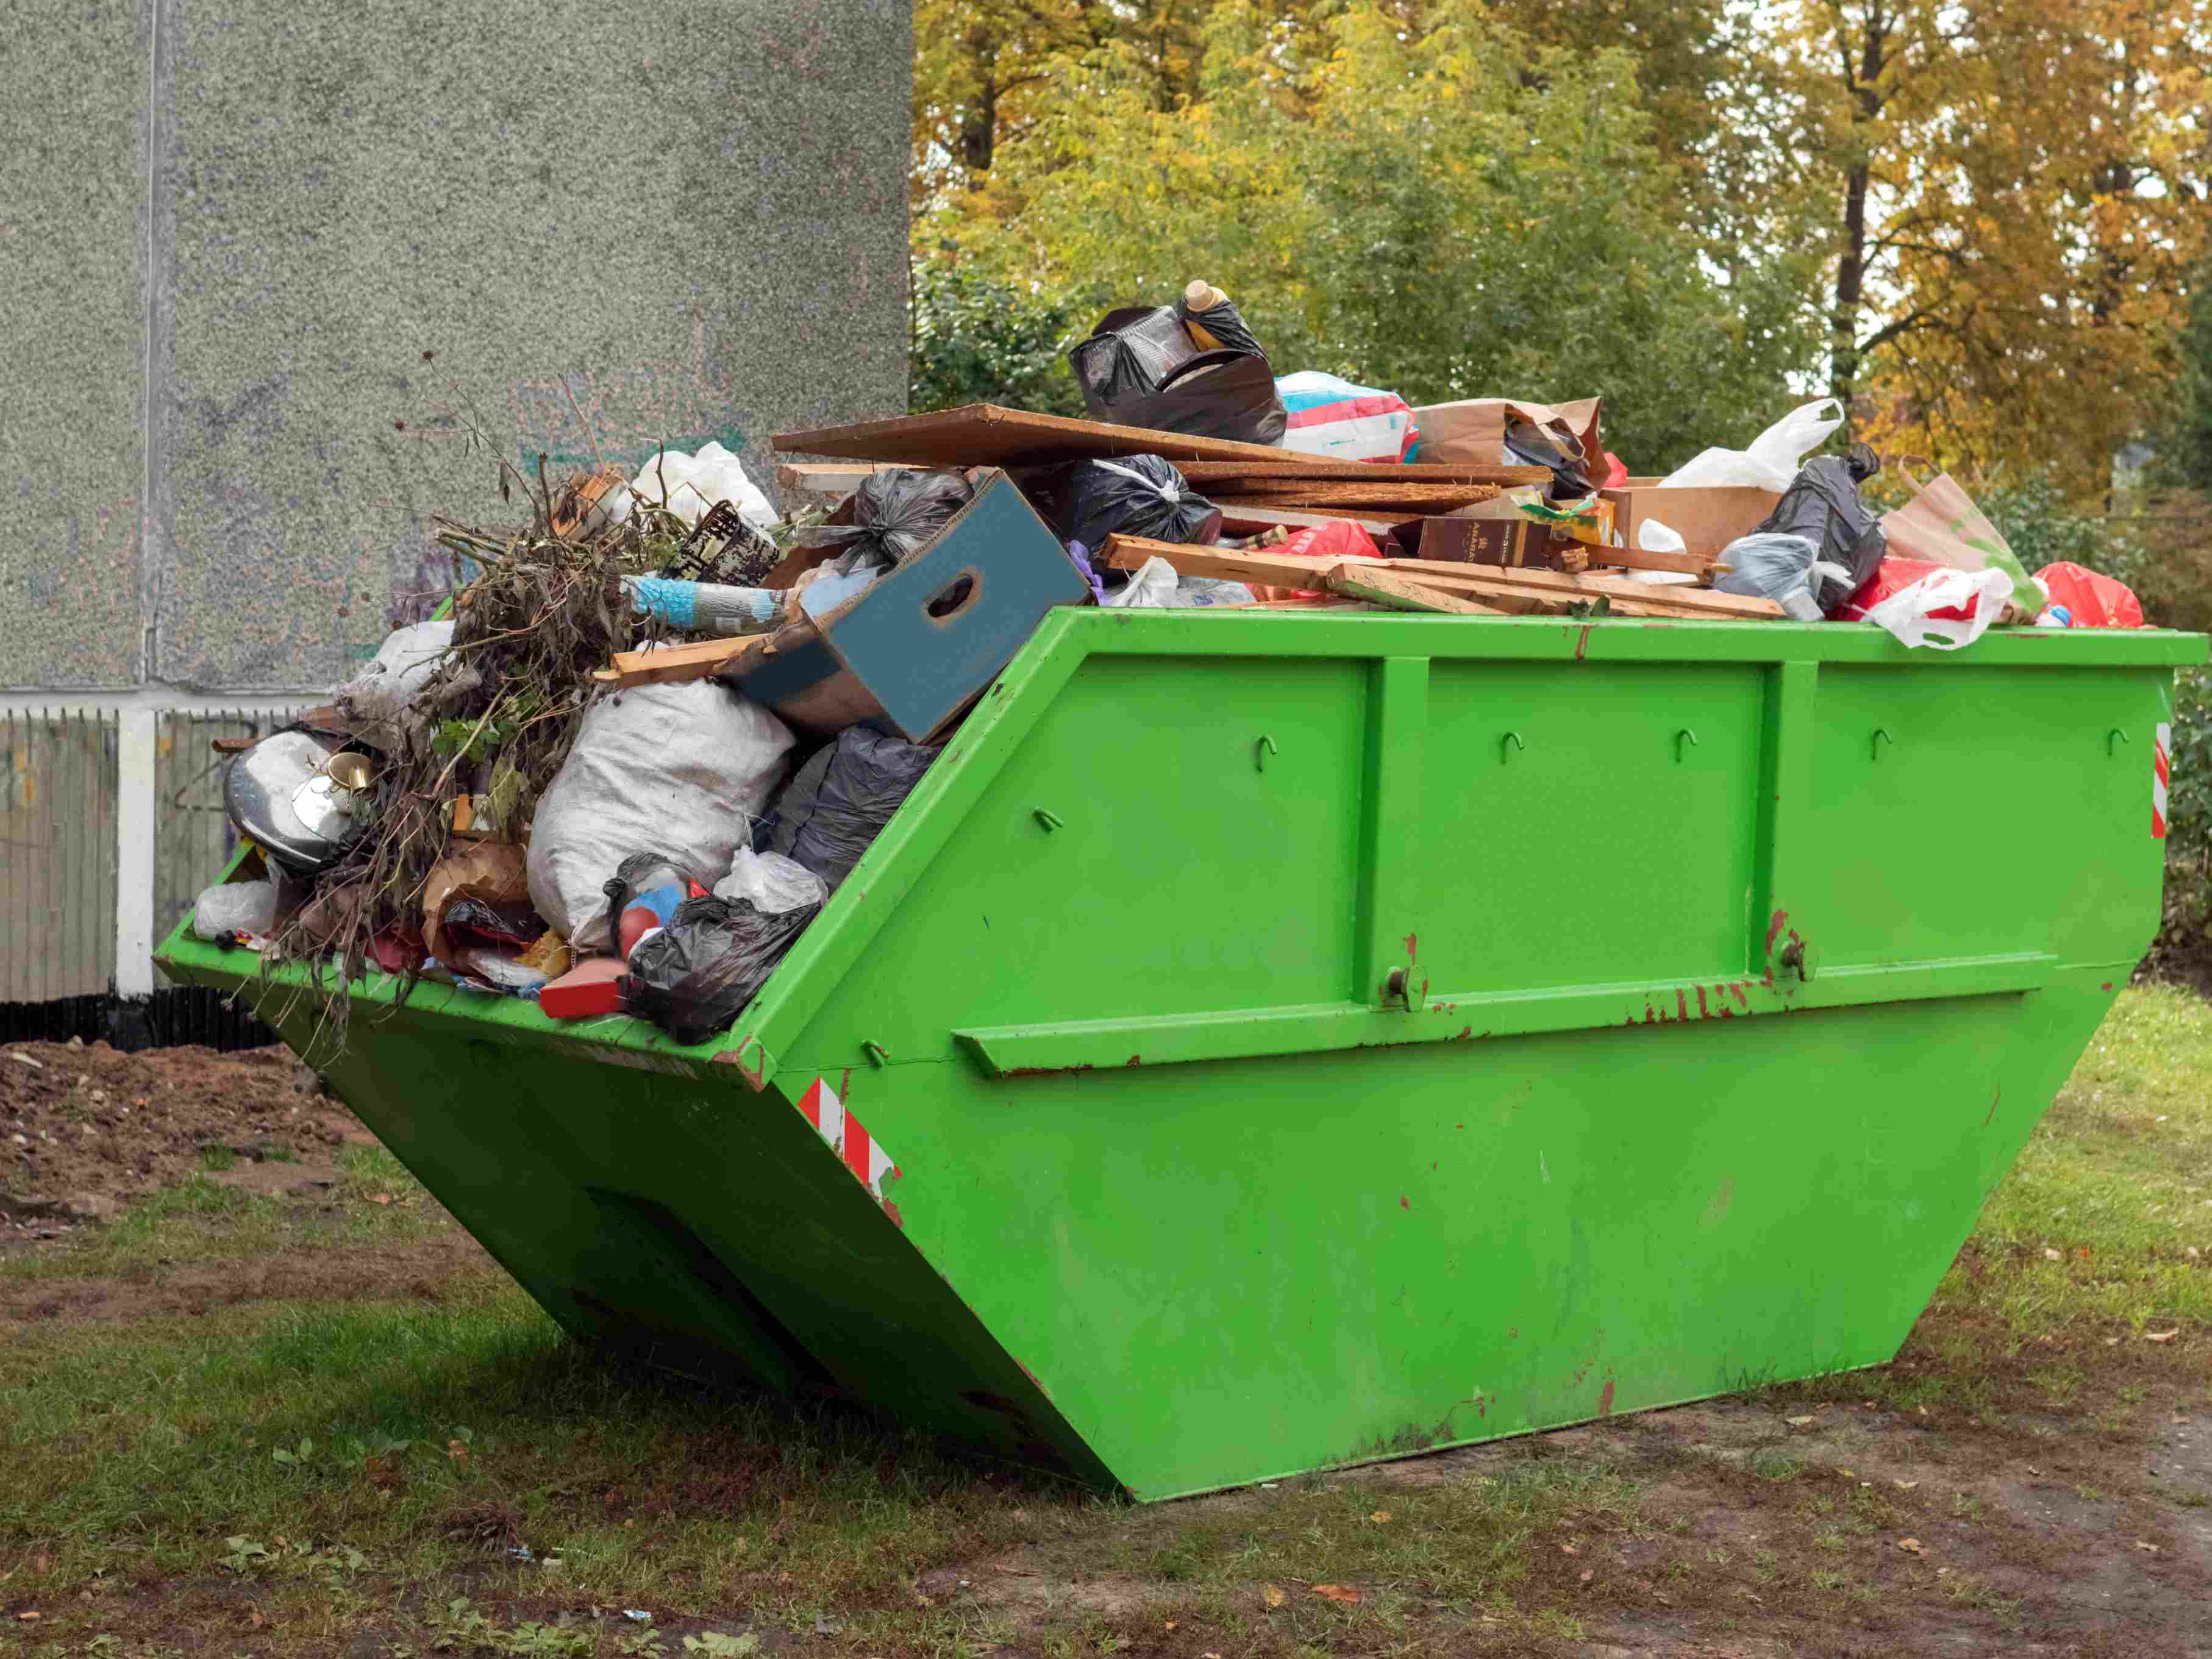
(1188,1198)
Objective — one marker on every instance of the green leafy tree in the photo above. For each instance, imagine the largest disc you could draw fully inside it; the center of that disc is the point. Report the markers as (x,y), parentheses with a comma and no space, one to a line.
(1446,212)
(977,340)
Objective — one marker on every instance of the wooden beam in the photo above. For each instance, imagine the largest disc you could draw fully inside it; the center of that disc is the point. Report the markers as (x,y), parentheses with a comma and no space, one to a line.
(1233,474)
(1360,579)
(1701,601)
(675,665)
(830,477)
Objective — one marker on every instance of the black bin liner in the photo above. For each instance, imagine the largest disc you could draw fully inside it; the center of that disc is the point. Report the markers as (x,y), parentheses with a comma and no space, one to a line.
(1822,504)
(1140,367)
(694,975)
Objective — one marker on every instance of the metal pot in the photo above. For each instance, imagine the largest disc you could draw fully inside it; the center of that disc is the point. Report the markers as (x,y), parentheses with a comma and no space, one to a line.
(299,798)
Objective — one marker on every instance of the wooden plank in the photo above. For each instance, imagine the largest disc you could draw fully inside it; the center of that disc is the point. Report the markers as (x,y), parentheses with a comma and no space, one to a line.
(675,665)
(1239,519)
(1638,558)
(1348,492)
(830,477)
(984,435)
(1396,592)
(1520,592)
(1267,569)
(1704,601)
(1232,474)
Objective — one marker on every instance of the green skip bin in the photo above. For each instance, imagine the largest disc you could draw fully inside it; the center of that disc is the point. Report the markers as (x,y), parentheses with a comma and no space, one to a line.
(1269,1041)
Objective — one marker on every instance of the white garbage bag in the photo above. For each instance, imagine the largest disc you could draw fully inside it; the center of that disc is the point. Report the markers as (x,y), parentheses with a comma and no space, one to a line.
(678,769)
(375,697)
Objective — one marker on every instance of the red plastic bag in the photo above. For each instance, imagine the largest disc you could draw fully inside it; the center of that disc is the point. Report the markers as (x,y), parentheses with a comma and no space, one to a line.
(2090,600)
(1325,544)
(1892,575)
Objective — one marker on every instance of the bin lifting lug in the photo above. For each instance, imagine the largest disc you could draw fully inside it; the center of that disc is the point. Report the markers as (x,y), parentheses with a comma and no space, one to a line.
(1795,959)
(1399,991)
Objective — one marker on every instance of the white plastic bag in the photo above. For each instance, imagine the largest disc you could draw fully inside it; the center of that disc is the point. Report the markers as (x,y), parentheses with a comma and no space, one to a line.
(380,692)
(231,908)
(1774,458)
(1946,611)
(1150,589)
(678,769)
(772,882)
(1155,586)
(690,485)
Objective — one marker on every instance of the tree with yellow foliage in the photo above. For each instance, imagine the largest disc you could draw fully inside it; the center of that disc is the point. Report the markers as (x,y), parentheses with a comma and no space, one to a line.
(2017,195)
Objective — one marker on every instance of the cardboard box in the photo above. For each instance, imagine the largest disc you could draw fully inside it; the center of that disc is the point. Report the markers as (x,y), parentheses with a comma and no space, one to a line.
(910,653)
(1706,519)
(1499,532)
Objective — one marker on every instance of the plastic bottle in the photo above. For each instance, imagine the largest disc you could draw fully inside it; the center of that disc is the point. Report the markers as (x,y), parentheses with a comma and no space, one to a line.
(1198,295)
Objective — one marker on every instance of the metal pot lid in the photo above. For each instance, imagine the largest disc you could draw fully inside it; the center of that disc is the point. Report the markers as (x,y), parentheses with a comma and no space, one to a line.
(282,796)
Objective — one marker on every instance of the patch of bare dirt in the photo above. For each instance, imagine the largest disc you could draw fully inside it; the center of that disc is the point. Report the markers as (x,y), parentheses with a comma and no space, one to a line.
(85,1128)
(424,1272)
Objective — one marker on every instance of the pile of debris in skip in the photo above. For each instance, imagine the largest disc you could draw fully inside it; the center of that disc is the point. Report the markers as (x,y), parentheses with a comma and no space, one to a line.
(661,722)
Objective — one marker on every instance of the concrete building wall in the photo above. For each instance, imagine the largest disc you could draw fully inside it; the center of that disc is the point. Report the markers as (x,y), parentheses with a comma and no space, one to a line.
(279,281)
(269,272)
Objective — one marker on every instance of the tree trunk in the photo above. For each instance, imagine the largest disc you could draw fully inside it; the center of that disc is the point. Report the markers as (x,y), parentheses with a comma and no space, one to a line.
(1851,286)
(979,130)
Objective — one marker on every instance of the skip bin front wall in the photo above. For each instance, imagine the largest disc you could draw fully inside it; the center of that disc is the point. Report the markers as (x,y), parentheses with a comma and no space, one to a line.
(1185,1195)
(1264,1259)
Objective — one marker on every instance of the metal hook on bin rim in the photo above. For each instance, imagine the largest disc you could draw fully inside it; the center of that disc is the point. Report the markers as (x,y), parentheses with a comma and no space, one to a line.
(1262,750)
(1880,736)
(1678,736)
(1050,820)
(2113,748)
(1513,738)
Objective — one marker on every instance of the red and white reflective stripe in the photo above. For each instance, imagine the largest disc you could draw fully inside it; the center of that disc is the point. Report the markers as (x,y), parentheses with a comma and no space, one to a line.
(847,1136)
(2161,765)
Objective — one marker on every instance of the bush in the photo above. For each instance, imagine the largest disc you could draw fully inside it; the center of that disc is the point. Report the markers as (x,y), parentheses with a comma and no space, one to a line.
(978,340)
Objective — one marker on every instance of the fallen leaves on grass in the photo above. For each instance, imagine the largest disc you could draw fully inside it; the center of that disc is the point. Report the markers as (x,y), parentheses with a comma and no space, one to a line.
(379,1198)
(1380,1516)
(2147,1548)
(1797,1422)
(1910,1546)
(2162,1336)
(1346,1595)
(1273,1596)
(1905,1485)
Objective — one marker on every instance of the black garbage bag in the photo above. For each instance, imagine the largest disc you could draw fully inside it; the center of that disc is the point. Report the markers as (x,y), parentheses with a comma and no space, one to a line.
(1140,367)
(894,515)
(1136,495)
(696,975)
(1822,504)
(837,803)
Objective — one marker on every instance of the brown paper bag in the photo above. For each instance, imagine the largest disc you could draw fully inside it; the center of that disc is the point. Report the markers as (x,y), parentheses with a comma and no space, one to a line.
(1941,524)
(496,872)
(1473,433)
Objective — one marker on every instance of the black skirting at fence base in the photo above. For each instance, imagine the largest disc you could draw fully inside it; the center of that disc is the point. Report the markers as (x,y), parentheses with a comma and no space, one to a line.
(167,1019)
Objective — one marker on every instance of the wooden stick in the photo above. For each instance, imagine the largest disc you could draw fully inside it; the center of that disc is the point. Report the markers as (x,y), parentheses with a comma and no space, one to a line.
(1358,580)
(676,664)
(1338,492)
(831,478)
(1704,602)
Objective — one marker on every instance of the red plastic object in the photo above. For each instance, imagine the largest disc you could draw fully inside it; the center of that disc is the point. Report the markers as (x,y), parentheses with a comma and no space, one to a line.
(592,987)
(1892,575)
(2091,600)
(1324,543)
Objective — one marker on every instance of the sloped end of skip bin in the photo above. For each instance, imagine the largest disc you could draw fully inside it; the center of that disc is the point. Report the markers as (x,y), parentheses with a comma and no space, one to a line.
(1315,1038)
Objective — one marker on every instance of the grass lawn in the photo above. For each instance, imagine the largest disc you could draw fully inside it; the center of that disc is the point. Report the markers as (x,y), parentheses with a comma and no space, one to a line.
(232,1423)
